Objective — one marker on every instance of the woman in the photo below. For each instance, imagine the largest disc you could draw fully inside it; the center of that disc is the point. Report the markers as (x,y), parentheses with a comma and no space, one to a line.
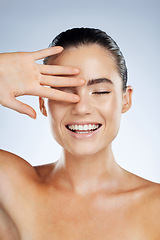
(85,194)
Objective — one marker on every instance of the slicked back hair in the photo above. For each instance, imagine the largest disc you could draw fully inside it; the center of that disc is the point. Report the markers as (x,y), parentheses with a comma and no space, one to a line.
(86,36)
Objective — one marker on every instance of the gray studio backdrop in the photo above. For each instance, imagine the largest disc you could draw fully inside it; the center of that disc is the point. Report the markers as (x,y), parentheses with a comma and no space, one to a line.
(31,25)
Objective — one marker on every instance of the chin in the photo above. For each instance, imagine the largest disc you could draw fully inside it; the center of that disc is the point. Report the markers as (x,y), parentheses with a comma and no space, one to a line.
(84,150)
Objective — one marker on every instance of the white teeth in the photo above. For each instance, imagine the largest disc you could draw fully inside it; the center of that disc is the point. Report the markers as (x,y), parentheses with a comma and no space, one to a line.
(76,127)
(80,127)
(83,127)
(90,126)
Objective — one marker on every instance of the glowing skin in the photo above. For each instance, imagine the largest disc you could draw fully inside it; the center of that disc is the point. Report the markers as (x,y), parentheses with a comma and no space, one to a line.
(105,109)
(85,194)
(87,163)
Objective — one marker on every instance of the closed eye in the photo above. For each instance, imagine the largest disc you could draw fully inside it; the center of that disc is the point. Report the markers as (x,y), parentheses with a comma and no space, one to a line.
(103,92)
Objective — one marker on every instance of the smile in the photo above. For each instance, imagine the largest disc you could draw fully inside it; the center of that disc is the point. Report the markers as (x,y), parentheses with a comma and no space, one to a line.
(85,129)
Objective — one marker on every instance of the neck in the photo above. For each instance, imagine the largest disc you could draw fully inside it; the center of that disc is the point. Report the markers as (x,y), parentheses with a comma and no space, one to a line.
(86,174)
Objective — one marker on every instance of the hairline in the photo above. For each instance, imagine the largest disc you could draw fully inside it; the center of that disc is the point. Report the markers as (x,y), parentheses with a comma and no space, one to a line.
(89,44)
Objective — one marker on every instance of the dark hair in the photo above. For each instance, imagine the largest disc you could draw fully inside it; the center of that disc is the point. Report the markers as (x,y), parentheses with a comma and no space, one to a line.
(85,36)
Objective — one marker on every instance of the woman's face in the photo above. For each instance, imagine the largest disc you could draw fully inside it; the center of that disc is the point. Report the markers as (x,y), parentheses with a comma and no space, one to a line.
(89,126)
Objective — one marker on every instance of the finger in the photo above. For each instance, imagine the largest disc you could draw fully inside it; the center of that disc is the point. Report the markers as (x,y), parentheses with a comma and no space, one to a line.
(57,95)
(61,81)
(46,52)
(57,70)
(21,108)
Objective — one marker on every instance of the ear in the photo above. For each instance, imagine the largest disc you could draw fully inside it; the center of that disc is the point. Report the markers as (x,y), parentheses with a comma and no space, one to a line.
(127,99)
(42,106)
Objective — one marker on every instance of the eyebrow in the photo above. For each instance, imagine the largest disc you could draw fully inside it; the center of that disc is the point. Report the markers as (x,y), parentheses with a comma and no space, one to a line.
(98,80)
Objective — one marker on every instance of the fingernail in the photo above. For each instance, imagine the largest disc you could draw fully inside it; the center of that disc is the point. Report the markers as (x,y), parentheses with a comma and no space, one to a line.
(60,47)
(76,70)
(83,81)
(76,98)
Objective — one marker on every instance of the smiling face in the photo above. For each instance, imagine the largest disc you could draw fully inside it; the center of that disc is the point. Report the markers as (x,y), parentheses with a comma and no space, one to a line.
(89,126)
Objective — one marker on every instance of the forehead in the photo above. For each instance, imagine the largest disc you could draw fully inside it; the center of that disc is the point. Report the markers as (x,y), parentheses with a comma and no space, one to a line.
(93,60)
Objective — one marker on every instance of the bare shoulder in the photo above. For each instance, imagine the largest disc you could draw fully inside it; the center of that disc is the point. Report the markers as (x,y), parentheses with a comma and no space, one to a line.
(148,195)
(11,164)
(151,192)
(16,174)
(150,207)
(152,195)
(136,182)
(146,192)
(6,156)
(144,202)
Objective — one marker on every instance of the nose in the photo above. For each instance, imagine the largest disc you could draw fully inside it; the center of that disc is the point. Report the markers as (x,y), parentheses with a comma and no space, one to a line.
(83,107)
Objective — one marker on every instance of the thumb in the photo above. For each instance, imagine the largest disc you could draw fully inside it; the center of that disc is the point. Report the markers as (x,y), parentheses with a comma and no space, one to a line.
(21,108)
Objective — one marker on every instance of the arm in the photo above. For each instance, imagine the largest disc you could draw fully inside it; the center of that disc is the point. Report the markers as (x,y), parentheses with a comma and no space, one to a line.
(21,75)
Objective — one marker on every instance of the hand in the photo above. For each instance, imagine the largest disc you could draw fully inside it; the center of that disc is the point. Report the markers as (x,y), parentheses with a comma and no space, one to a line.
(21,75)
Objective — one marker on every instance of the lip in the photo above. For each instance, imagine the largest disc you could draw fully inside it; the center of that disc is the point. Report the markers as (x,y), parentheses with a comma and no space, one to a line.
(82,123)
(83,135)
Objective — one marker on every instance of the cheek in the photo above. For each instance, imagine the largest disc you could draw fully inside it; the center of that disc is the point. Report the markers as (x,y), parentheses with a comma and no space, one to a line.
(111,108)
(55,113)
(111,113)
(115,113)
(57,110)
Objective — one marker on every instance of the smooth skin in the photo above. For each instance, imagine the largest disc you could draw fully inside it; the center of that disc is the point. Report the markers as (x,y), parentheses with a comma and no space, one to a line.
(85,194)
